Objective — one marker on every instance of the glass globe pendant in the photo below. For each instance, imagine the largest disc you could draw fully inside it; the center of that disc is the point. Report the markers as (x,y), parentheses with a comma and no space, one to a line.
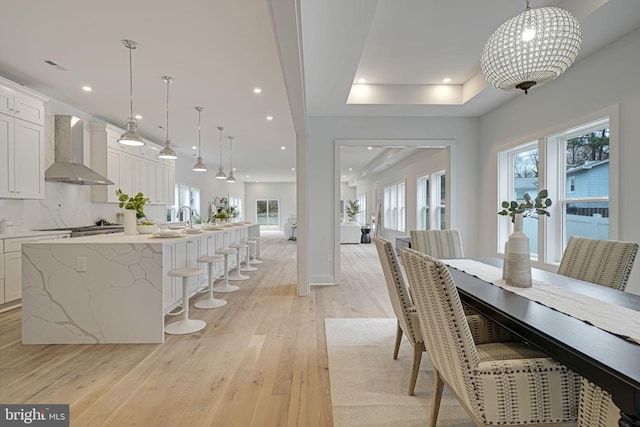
(531,49)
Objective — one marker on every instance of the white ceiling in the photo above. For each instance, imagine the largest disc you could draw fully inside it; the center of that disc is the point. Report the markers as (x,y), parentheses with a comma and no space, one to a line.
(218,51)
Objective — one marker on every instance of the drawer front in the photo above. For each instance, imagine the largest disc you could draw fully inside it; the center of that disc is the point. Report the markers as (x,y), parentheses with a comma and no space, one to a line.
(15,245)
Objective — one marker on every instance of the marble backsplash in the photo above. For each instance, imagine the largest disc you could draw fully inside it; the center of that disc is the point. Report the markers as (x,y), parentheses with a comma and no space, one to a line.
(64,205)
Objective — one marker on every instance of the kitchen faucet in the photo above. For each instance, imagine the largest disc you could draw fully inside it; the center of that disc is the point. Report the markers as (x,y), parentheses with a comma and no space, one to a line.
(190,217)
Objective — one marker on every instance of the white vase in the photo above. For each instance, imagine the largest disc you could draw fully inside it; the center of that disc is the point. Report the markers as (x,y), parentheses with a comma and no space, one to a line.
(517,257)
(130,222)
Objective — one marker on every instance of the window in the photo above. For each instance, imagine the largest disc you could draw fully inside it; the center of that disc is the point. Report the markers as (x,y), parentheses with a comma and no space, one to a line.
(267,213)
(394,207)
(235,200)
(582,170)
(362,215)
(441,205)
(190,197)
(574,166)
(422,203)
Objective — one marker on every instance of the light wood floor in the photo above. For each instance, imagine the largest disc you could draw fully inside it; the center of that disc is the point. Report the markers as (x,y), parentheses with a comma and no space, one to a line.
(261,360)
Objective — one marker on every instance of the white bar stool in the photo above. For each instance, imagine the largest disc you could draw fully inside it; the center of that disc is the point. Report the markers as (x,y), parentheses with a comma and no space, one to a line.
(226,287)
(255,259)
(237,275)
(210,302)
(186,325)
(246,264)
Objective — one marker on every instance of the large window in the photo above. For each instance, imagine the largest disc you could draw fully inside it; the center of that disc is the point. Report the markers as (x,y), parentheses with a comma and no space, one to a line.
(187,196)
(268,213)
(422,203)
(574,166)
(235,200)
(394,206)
(431,192)
(441,204)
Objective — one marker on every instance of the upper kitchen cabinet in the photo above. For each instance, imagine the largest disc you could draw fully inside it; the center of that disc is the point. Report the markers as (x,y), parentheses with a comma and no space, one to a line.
(132,169)
(21,143)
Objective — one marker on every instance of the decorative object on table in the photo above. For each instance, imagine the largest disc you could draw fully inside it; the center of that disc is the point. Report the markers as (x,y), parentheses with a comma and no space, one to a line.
(516,270)
(131,137)
(199,166)
(146,227)
(167,152)
(133,209)
(224,212)
(531,49)
(353,209)
(6,227)
(102,221)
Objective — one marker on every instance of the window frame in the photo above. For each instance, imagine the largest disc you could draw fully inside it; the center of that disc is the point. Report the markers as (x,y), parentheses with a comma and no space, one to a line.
(394,206)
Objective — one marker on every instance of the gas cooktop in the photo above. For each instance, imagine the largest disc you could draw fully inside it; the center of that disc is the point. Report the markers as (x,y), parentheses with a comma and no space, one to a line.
(89,230)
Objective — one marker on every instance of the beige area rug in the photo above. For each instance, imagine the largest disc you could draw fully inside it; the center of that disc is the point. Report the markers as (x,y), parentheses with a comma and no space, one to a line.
(369,388)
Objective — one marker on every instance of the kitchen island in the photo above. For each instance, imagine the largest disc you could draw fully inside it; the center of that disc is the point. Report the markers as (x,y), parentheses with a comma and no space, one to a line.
(110,288)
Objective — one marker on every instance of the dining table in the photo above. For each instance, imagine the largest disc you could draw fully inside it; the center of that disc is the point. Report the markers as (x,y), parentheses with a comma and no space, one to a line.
(611,361)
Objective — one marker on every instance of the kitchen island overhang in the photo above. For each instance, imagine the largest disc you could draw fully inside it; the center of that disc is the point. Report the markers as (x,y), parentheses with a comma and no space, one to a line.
(123,295)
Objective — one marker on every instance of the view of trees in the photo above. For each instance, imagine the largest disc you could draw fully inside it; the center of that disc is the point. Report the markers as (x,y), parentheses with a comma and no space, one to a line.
(589,147)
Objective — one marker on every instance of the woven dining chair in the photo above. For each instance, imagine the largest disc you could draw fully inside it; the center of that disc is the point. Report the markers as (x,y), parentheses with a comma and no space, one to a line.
(439,244)
(606,263)
(408,323)
(503,383)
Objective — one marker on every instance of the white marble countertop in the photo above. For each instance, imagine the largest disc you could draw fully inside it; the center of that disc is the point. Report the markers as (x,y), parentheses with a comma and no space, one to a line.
(31,233)
(115,238)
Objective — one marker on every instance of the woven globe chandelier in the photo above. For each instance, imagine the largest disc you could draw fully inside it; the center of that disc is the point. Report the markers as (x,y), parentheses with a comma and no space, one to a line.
(531,49)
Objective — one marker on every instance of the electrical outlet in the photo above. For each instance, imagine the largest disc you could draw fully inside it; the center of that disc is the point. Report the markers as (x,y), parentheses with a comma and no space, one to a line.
(81,264)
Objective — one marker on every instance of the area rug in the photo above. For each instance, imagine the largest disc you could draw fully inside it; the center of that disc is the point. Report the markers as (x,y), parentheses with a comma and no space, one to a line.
(369,388)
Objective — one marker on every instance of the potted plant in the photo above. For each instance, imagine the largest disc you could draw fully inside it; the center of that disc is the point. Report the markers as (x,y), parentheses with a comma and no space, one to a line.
(134,209)
(516,270)
(353,209)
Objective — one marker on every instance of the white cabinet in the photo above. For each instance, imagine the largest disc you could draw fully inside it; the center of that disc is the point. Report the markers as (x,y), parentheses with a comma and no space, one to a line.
(132,169)
(21,145)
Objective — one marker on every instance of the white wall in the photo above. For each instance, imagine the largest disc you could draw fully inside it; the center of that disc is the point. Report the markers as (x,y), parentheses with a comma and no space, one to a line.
(462,135)
(602,80)
(284,192)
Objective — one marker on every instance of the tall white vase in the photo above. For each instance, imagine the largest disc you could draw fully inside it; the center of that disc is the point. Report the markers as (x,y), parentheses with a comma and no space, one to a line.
(130,222)
(517,266)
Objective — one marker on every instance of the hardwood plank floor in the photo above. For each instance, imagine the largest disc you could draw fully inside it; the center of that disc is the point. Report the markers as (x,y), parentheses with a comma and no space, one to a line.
(261,360)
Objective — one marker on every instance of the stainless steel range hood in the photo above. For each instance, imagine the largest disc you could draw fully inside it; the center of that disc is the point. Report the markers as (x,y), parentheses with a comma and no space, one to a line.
(69,146)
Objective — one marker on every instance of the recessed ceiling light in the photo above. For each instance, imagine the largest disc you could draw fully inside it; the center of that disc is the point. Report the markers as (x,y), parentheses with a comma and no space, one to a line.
(344,176)
(194,147)
(138,116)
(86,88)
(269,117)
(447,80)
(247,176)
(234,169)
(350,169)
(257,90)
(362,80)
(293,169)
(369,148)
(283,148)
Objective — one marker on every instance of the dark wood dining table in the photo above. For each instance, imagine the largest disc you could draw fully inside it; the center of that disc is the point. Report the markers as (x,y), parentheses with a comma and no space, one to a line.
(610,361)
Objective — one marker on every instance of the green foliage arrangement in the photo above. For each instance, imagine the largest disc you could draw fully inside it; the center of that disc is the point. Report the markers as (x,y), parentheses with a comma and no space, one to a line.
(353,209)
(135,203)
(533,208)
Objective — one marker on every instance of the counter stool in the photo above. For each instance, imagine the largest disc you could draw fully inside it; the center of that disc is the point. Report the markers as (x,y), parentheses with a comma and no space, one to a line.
(210,302)
(226,287)
(247,265)
(237,275)
(186,325)
(255,259)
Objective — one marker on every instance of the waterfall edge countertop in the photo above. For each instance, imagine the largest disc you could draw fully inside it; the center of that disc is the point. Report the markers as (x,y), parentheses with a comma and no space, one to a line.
(110,288)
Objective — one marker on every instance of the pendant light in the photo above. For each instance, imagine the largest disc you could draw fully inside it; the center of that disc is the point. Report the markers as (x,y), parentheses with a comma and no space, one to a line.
(131,137)
(199,166)
(167,152)
(231,178)
(220,174)
(531,49)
